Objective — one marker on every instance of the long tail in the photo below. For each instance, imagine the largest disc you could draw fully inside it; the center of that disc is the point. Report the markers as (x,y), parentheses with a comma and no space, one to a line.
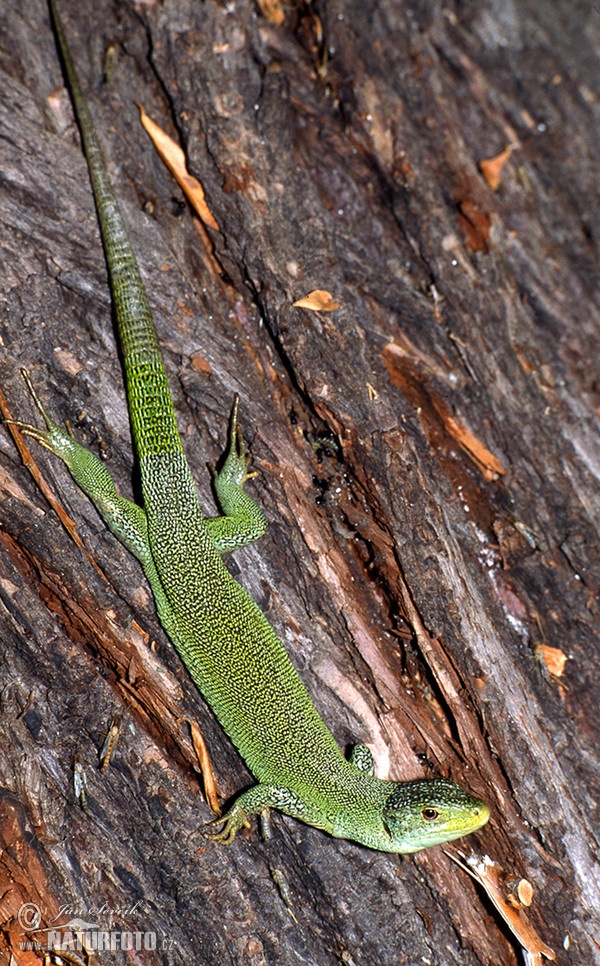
(150,406)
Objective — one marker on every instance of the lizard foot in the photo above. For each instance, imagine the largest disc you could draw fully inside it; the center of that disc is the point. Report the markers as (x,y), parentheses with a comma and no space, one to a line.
(234,471)
(52,438)
(233,820)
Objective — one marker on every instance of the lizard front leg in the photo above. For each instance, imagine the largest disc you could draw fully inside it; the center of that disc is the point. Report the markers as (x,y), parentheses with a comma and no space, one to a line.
(253,802)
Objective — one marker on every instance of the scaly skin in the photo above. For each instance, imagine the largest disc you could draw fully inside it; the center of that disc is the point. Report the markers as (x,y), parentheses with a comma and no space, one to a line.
(226,643)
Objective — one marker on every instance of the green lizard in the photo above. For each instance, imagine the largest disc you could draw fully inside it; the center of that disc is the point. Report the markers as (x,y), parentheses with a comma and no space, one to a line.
(224,640)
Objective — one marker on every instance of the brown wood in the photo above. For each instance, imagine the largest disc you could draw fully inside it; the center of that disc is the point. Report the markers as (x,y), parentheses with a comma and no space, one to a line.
(428,457)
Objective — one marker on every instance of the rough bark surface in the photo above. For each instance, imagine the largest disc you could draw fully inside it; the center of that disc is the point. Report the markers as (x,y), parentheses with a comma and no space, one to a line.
(428,457)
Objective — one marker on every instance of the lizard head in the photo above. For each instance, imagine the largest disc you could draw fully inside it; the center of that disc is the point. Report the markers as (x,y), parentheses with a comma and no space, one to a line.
(422,813)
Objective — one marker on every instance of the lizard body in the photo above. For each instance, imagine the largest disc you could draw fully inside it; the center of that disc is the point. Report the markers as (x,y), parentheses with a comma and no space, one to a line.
(224,640)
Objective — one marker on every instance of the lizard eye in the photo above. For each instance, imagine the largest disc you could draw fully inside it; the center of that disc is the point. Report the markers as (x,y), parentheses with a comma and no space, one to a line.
(430,814)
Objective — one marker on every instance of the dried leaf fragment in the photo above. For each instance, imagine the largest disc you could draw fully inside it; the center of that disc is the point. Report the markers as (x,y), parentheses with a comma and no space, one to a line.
(491,168)
(552,658)
(476,225)
(201,749)
(318,301)
(490,465)
(272,11)
(174,158)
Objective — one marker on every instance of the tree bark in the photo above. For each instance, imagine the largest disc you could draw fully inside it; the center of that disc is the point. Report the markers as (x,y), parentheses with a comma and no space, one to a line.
(427,453)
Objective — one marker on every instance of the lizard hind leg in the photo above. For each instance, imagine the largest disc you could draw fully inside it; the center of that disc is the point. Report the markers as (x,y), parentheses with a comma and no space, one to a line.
(253,801)
(58,441)
(242,520)
(125,519)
